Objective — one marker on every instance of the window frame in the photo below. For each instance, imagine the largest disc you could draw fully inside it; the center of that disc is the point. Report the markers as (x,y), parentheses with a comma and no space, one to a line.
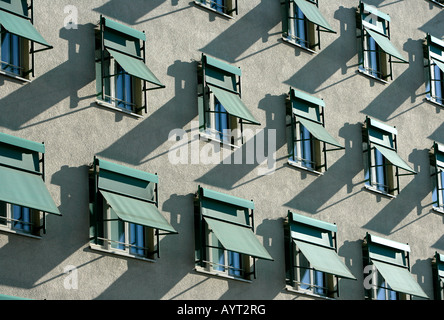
(206,246)
(229,7)
(437,176)
(26,46)
(438,2)
(430,46)
(294,127)
(102,216)
(290,13)
(107,68)
(233,135)
(391,171)
(437,274)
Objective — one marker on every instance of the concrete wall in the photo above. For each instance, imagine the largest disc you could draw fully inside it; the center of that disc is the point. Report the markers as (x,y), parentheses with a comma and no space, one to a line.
(58,107)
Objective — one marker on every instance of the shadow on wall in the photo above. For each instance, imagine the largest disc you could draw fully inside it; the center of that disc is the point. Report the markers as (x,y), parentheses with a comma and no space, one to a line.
(434,26)
(407,200)
(245,31)
(438,135)
(34,259)
(153,131)
(402,87)
(338,175)
(351,253)
(49,89)
(330,59)
(274,107)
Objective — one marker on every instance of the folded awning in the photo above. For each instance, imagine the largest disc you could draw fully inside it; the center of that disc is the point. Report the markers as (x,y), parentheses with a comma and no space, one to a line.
(238,238)
(312,13)
(399,279)
(233,104)
(324,259)
(394,158)
(319,132)
(135,67)
(385,44)
(25,189)
(137,211)
(21,27)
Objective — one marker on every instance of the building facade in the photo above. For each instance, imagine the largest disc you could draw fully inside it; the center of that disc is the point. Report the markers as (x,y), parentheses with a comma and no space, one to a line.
(262,149)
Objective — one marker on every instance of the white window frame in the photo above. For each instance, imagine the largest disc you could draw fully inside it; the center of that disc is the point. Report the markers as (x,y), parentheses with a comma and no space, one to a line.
(7,223)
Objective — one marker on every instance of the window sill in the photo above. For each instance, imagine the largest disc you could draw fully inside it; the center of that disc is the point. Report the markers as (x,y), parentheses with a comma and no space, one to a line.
(365,73)
(219,274)
(306,293)
(208,137)
(14,76)
(438,209)
(110,106)
(8,230)
(297,165)
(382,193)
(430,100)
(293,43)
(206,7)
(97,247)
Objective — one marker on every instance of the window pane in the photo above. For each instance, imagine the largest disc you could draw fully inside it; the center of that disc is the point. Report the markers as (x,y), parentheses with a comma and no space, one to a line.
(380,171)
(123,89)
(221,119)
(23,217)
(137,238)
(306,148)
(234,261)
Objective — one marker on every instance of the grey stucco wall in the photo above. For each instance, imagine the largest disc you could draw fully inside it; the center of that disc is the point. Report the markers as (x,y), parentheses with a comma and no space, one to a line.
(58,107)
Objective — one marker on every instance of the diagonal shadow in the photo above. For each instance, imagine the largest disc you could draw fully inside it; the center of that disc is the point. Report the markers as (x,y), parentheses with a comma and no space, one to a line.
(275,119)
(338,175)
(434,26)
(49,89)
(402,88)
(407,200)
(157,125)
(329,60)
(438,134)
(246,31)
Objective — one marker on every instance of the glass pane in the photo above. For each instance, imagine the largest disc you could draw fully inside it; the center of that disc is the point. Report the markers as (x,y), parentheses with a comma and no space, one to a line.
(137,238)
(380,171)
(373,57)
(124,92)
(10,53)
(300,28)
(306,148)
(320,283)
(221,120)
(22,218)
(218,5)
(234,261)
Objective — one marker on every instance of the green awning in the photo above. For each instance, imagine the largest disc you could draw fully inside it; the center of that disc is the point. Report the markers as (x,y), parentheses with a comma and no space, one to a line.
(125,29)
(222,197)
(21,27)
(137,211)
(306,97)
(324,259)
(233,104)
(319,132)
(385,44)
(312,13)
(394,158)
(25,189)
(238,239)
(135,67)
(399,279)
(439,64)
(6,297)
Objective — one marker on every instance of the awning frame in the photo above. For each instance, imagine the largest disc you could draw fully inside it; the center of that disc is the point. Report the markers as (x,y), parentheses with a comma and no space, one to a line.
(32,50)
(295,95)
(199,225)
(98,218)
(371,145)
(145,88)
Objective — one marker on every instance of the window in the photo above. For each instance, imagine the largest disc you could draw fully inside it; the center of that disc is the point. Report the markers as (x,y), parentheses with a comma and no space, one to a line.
(225,7)
(436,156)
(24,199)
(225,242)
(302,23)
(434,66)
(18,39)
(381,160)
(122,78)
(438,2)
(222,113)
(124,215)
(307,138)
(312,264)
(388,270)
(376,52)
(438,276)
